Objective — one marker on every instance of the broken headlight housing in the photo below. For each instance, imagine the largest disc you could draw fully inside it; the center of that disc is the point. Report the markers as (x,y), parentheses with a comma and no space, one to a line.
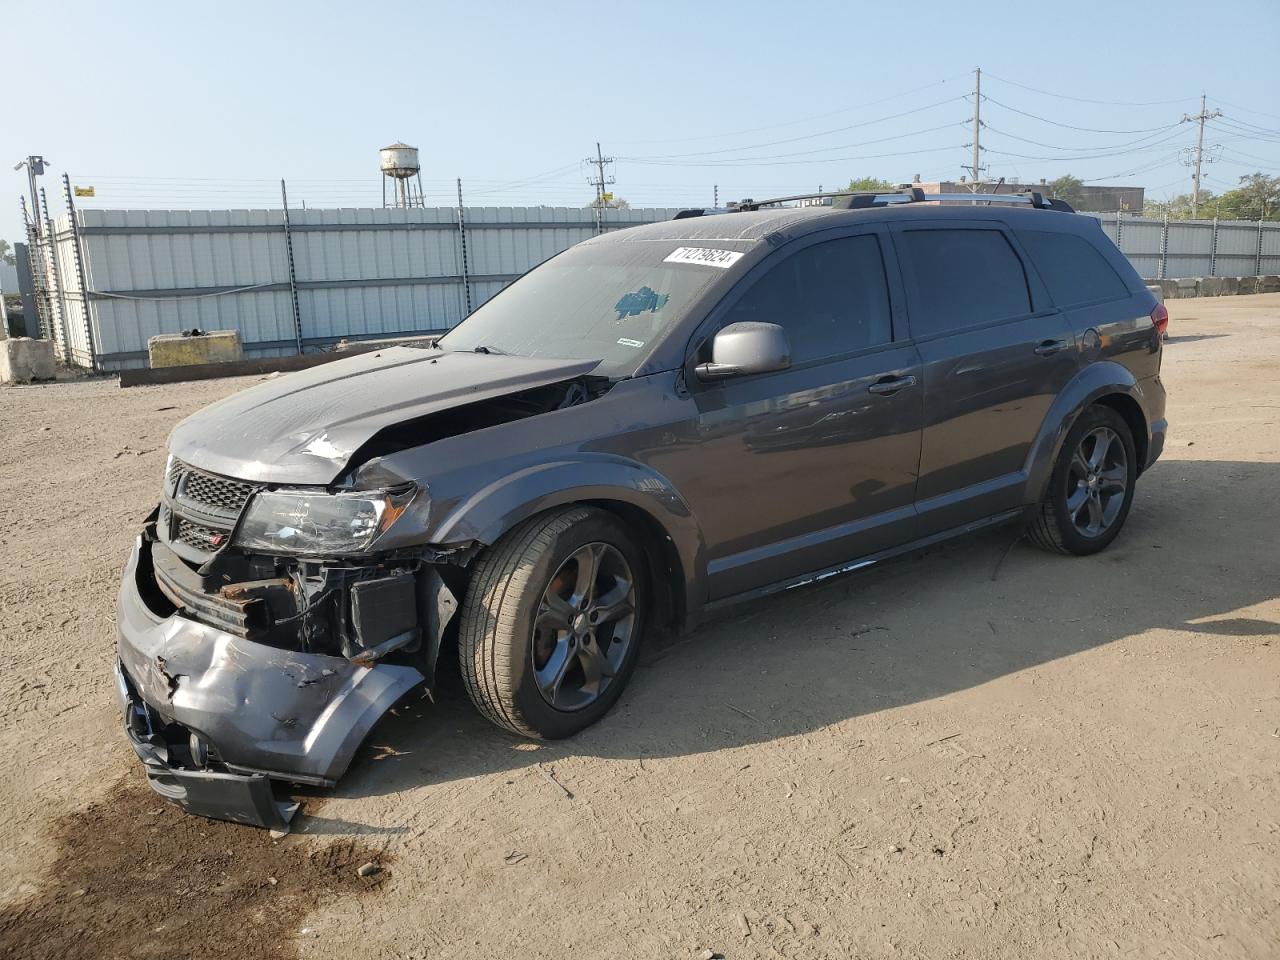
(318,523)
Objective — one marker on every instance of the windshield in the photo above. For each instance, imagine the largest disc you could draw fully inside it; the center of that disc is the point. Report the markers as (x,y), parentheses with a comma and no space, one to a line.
(598,301)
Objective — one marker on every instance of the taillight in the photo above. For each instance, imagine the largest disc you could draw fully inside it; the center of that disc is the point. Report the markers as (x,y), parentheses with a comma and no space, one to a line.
(1160,317)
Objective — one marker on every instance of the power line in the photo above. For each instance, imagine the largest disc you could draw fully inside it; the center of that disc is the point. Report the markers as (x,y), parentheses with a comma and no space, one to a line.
(1102,155)
(809,136)
(809,119)
(1246,133)
(1069,126)
(1236,106)
(1108,103)
(733,161)
(1058,146)
(787,163)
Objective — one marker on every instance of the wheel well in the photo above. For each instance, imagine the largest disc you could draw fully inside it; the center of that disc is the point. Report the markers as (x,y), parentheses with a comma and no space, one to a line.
(666,573)
(1129,408)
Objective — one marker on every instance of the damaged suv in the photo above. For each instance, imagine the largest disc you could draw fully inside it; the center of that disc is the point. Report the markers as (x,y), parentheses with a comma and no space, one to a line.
(652,424)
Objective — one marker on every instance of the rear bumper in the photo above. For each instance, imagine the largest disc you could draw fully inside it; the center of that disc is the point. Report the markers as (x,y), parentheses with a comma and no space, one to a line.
(1159,429)
(1154,400)
(262,713)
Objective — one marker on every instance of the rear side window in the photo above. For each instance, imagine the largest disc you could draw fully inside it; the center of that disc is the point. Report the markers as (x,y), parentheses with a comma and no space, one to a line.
(831,298)
(1072,268)
(961,279)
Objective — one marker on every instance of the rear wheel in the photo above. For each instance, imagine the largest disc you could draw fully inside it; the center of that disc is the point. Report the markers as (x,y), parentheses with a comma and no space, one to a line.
(552,622)
(1091,488)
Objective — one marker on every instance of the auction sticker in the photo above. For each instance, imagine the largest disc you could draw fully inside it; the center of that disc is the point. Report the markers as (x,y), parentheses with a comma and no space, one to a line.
(706,256)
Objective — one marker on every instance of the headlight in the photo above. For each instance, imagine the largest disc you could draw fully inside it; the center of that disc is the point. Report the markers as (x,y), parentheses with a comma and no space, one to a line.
(316,522)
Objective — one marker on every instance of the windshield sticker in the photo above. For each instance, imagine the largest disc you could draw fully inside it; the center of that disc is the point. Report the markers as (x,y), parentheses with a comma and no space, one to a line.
(628,342)
(706,256)
(644,300)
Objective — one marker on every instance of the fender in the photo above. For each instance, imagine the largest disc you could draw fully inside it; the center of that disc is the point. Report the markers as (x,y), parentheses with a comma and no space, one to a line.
(1090,384)
(493,510)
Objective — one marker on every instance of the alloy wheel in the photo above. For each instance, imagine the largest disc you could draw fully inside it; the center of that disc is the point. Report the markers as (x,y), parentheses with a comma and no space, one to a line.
(1097,482)
(584,626)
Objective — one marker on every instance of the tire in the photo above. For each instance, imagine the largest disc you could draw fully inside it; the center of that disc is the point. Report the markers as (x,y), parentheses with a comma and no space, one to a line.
(1084,507)
(536,657)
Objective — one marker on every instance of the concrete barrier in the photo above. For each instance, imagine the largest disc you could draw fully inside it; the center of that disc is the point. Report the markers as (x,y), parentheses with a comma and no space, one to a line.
(180,349)
(1181,288)
(23,360)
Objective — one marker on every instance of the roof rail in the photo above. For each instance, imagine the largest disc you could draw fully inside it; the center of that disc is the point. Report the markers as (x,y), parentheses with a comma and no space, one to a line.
(862,200)
(908,193)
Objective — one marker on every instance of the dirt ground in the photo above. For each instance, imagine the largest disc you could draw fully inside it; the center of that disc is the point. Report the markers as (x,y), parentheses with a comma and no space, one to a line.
(950,756)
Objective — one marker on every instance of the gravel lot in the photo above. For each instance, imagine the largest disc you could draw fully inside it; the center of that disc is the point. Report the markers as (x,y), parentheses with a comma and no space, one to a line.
(950,756)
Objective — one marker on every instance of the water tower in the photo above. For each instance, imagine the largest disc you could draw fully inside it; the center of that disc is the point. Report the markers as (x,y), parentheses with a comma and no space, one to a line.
(399,163)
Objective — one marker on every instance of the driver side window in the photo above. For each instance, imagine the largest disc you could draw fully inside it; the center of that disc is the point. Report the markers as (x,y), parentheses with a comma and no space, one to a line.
(831,298)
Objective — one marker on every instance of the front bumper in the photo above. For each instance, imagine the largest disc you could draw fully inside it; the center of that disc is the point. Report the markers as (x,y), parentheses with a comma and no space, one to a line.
(262,713)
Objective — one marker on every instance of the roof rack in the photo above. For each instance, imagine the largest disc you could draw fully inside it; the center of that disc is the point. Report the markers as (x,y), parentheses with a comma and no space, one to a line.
(862,200)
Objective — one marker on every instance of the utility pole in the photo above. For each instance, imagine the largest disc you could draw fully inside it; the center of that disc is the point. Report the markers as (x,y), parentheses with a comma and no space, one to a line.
(1198,155)
(35,168)
(598,161)
(976,169)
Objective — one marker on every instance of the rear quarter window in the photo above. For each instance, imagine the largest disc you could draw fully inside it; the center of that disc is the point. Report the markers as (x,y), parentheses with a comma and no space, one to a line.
(1072,268)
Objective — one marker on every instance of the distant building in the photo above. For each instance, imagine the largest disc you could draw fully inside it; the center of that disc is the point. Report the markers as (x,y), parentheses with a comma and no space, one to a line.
(1098,199)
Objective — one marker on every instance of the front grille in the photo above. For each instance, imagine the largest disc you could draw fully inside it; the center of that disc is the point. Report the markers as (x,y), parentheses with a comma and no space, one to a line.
(218,492)
(199,537)
(200,510)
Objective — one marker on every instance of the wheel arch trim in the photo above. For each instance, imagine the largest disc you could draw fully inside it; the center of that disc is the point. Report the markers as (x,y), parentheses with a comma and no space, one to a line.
(1096,383)
(490,512)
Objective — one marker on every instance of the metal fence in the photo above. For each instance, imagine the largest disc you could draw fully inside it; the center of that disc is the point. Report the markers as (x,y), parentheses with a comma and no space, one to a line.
(1164,249)
(289,281)
(298,280)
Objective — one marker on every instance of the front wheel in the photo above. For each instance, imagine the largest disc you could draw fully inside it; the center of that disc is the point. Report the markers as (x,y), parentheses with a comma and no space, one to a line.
(1091,488)
(552,622)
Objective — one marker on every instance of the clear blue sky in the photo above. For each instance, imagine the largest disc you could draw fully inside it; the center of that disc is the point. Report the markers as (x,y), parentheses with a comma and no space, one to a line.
(194,105)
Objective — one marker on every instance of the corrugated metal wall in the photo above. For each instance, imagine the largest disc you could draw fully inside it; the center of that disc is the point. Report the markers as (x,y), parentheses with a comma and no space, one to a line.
(1161,249)
(360,272)
(382,272)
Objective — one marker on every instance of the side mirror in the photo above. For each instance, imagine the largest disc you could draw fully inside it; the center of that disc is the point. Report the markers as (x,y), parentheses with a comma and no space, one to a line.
(744,348)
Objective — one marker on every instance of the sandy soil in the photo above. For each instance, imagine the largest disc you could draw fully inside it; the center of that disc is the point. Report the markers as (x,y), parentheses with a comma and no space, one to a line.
(946,757)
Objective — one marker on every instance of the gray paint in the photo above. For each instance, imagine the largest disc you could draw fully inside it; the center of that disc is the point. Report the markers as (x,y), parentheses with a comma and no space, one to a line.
(268,710)
(758,482)
(304,428)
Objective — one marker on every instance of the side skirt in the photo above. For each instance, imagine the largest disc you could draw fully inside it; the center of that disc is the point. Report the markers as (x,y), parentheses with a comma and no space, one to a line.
(993,521)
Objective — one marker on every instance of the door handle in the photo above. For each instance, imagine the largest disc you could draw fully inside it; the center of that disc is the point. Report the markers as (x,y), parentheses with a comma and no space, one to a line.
(1049,347)
(891,385)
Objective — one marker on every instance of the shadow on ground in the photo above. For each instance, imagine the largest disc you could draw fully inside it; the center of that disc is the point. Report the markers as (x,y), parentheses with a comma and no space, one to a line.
(914,630)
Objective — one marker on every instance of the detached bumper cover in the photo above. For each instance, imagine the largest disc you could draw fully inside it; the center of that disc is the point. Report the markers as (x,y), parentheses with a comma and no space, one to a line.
(263,712)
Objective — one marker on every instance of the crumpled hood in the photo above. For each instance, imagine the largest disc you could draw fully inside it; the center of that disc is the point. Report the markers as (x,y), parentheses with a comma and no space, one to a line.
(303,427)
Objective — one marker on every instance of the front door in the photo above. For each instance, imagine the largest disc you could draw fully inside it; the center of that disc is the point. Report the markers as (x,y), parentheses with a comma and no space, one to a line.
(803,469)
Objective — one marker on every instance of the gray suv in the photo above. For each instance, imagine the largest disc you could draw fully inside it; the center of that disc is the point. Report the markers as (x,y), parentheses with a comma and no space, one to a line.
(653,424)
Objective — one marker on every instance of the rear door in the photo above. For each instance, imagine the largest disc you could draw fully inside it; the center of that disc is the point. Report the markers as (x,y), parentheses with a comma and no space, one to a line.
(995,353)
(799,470)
